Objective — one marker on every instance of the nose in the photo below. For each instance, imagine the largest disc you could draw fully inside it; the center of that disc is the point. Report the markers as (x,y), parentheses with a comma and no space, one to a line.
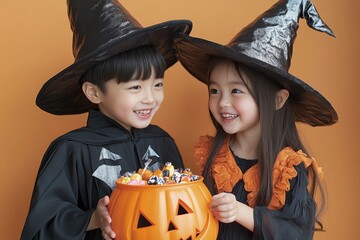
(148,96)
(224,101)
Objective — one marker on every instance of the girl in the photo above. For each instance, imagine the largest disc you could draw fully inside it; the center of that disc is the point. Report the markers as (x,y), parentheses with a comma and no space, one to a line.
(262,177)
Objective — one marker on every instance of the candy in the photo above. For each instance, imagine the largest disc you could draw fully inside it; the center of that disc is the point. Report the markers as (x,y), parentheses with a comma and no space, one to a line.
(123,180)
(158,173)
(167,175)
(136,176)
(137,182)
(155,180)
(186,179)
(169,169)
(145,174)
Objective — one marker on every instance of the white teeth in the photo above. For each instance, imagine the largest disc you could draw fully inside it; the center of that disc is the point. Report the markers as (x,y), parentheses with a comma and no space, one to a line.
(142,112)
(229,116)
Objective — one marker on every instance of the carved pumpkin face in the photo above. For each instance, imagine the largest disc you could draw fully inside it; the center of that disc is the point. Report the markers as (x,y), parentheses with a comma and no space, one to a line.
(176,212)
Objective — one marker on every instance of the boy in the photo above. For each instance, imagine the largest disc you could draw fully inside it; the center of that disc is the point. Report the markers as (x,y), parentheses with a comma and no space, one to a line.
(117,77)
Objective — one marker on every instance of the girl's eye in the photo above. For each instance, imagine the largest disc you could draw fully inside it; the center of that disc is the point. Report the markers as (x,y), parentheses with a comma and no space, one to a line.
(213,91)
(236,91)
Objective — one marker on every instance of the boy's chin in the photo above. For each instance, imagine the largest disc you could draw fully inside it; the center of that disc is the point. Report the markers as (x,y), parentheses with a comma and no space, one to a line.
(142,124)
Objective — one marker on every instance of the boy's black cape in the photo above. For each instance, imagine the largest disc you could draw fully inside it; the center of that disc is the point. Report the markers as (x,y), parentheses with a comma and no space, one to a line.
(81,167)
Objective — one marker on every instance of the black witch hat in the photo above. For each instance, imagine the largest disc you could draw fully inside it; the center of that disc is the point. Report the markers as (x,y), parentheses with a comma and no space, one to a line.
(102,29)
(266,45)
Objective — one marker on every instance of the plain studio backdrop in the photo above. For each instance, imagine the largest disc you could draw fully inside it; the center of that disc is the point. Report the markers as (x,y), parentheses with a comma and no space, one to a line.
(36,44)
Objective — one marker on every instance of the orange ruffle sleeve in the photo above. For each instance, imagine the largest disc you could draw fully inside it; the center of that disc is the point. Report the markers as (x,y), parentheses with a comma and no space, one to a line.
(225,170)
(283,172)
(202,148)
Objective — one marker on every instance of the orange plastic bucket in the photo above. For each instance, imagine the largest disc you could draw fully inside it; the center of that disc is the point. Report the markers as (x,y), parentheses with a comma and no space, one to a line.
(154,212)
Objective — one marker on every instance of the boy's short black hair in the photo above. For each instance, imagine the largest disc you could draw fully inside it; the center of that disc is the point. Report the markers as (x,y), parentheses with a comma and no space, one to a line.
(138,63)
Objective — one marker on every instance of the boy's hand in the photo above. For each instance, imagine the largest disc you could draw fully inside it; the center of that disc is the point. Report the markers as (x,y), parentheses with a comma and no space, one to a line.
(225,207)
(101,219)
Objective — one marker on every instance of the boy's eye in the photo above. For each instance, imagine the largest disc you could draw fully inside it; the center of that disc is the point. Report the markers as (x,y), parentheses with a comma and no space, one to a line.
(213,91)
(135,87)
(159,84)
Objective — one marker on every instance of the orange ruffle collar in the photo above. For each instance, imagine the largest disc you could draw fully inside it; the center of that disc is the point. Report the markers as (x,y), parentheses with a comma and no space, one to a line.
(226,172)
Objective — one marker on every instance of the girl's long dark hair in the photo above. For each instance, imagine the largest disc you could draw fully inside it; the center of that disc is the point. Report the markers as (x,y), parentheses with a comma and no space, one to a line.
(278,130)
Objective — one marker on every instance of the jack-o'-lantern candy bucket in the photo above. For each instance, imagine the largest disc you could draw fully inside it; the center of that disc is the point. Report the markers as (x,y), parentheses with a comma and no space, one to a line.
(166,212)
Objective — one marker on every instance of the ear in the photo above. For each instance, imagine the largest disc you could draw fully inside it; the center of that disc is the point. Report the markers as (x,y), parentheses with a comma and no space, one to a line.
(92,92)
(281,97)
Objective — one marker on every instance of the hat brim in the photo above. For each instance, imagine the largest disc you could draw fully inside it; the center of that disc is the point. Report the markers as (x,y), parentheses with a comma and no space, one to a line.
(62,94)
(311,107)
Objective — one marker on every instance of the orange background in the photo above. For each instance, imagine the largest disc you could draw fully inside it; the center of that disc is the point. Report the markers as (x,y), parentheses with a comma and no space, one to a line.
(36,44)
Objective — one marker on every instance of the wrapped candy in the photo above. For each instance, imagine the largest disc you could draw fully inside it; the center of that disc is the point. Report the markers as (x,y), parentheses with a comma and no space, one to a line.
(154,175)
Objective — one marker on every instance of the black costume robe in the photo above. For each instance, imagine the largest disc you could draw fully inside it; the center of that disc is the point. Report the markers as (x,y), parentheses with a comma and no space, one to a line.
(81,167)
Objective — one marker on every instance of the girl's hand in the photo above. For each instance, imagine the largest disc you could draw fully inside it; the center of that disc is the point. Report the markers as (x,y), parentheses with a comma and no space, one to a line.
(225,207)
(101,219)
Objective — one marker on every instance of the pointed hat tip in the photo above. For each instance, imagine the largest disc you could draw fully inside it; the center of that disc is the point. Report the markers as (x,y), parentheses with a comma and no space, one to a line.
(314,20)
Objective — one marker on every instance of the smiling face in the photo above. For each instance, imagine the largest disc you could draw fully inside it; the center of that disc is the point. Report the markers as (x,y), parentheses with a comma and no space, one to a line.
(231,102)
(133,103)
